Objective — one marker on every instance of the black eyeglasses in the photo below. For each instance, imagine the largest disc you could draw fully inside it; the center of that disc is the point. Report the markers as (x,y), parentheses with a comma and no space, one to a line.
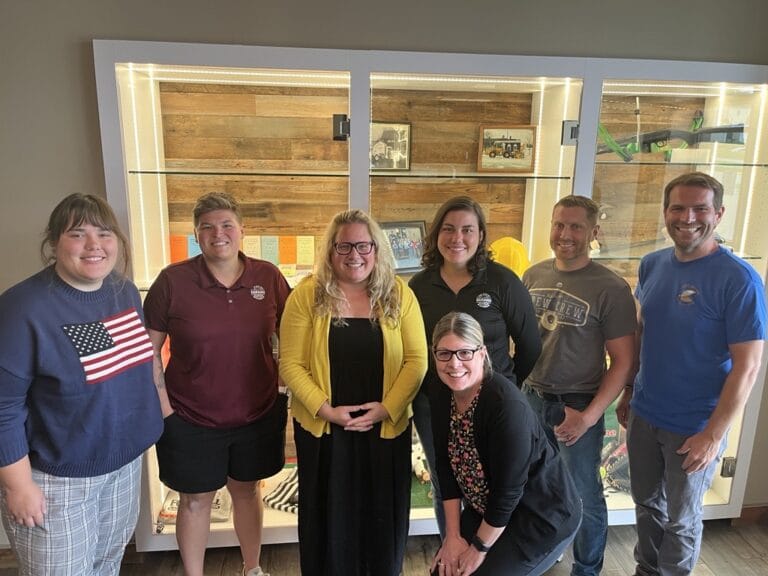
(465,354)
(344,248)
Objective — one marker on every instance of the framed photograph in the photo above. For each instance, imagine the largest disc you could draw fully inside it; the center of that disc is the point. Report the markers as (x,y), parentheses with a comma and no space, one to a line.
(406,240)
(507,148)
(390,146)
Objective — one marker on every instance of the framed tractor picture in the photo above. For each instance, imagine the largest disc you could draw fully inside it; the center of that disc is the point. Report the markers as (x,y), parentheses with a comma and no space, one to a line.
(506,148)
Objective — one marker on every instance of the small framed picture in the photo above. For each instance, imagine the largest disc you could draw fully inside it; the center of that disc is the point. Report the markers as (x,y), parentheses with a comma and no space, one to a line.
(506,148)
(406,240)
(390,146)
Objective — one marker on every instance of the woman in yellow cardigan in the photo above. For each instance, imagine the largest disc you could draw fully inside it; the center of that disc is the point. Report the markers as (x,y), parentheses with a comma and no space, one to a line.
(353,354)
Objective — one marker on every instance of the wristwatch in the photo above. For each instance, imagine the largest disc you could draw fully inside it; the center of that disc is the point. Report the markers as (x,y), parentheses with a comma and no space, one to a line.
(479,545)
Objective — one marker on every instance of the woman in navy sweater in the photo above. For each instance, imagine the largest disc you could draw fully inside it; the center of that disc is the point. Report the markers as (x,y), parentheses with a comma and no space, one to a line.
(77,403)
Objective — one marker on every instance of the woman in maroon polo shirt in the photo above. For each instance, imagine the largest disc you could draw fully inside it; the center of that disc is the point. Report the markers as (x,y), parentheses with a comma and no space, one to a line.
(224,419)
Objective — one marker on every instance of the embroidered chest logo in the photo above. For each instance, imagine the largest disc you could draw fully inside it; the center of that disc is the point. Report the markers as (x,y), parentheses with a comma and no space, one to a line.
(258,292)
(555,307)
(687,294)
(483,300)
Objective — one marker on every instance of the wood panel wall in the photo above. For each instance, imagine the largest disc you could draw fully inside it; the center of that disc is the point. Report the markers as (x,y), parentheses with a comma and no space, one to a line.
(242,136)
(271,147)
(445,129)
(258,131)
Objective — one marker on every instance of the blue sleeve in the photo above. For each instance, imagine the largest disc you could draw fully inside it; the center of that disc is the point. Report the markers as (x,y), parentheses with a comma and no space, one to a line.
(745,314)
(16,372)
(13,416)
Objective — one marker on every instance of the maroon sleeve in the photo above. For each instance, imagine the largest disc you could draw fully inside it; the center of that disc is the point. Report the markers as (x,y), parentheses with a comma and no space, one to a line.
(283,290)
(156,304)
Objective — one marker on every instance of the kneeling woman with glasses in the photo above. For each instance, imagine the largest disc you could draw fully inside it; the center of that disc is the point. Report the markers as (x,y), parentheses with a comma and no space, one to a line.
(510,506)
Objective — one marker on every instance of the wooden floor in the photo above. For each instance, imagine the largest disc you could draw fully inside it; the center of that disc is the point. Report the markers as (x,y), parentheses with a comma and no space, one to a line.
(740,550)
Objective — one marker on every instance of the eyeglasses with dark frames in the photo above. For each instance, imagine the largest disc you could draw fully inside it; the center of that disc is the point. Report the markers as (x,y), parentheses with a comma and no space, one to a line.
(464,354)
(363,248)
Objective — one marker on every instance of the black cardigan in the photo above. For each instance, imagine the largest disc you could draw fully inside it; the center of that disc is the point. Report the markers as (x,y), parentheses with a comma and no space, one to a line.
(530,489)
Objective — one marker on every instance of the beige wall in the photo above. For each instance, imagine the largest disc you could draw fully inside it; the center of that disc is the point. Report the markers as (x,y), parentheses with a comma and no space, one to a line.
(49,136)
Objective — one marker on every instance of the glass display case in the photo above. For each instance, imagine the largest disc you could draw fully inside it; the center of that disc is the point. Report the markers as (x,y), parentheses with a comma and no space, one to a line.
(649,132)
(495,138)
(516,133)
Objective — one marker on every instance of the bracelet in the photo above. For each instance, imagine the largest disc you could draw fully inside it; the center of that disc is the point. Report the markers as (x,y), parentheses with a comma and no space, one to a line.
(479,545)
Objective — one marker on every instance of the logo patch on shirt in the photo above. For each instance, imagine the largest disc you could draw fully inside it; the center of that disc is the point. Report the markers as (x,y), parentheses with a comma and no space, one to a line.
(483,300)
(687,294)
(556,307)
(258,292)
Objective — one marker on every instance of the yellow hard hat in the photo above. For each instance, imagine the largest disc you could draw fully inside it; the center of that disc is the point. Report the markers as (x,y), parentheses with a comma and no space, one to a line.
(512,253)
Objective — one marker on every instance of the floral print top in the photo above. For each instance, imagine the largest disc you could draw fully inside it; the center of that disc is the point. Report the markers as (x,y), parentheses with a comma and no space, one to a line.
(463,456)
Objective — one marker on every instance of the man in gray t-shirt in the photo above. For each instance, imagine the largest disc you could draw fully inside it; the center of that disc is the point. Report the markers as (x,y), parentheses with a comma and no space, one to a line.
(584,312)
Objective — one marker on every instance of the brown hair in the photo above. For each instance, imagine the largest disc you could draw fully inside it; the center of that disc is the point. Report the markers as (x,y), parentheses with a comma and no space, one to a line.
(216,201)
(432,257)
(75,210)
(591,207)
(700,180)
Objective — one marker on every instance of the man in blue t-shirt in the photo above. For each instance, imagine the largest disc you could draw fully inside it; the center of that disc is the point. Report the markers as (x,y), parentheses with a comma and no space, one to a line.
(702,322)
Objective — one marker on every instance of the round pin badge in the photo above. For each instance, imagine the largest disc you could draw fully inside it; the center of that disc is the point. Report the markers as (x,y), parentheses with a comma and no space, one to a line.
(483,300)
(258,292)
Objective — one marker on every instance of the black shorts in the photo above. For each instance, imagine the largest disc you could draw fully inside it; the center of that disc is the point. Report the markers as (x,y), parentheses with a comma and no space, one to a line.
(194,459)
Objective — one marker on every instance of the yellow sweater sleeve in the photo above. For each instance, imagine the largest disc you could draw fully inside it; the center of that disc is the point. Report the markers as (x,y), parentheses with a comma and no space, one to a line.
(406,359)
(309,382)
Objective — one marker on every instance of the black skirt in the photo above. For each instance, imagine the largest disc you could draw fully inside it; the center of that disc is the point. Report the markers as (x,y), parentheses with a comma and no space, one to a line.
(354,487)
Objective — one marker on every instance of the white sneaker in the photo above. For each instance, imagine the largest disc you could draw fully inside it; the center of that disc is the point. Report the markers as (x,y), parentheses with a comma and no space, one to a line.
(255,572)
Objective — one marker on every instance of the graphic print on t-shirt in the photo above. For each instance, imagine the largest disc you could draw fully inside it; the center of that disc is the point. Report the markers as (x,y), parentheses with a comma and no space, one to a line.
(554,307)
(111,345)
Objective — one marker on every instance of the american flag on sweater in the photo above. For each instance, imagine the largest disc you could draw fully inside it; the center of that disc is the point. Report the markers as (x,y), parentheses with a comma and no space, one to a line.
(110,346)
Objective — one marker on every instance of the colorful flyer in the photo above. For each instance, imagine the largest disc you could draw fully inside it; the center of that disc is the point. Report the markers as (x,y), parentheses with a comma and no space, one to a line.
(305,250)
(287,249)
(178,248)
(252,246)
(193,248)
(269,249)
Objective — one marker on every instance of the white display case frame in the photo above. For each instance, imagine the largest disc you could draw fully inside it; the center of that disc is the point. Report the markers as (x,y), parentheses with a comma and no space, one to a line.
(592,72)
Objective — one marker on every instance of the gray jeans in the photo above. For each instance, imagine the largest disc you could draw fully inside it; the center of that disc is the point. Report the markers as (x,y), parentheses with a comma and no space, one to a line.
(668,502)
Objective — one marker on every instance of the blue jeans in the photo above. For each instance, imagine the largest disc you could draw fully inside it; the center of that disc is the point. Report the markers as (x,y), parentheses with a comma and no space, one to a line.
(668,502)
(422,419)
(583,462)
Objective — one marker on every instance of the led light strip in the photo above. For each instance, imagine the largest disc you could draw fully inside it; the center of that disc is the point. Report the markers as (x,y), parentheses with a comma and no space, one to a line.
(753,170)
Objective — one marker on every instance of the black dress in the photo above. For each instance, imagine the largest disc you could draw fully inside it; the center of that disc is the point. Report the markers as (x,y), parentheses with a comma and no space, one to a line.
(354,487)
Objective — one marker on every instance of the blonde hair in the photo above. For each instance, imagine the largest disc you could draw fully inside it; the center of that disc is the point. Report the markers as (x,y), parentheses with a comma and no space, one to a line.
(382,288)
(463,326)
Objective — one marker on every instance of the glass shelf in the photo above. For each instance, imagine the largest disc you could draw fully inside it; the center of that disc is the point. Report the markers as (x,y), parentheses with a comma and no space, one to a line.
(456,176)
(237,173)
(619,162)
(637,251)
(373,174)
